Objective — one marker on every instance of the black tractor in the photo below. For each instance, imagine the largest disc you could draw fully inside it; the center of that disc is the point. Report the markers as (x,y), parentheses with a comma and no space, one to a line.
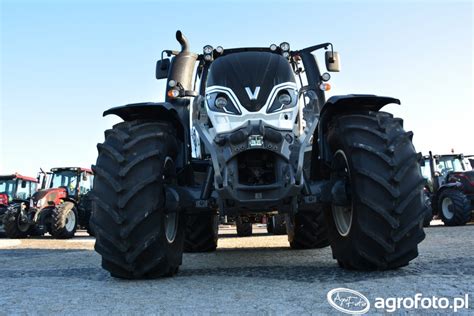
(246,129)
(15,192)
(449,189)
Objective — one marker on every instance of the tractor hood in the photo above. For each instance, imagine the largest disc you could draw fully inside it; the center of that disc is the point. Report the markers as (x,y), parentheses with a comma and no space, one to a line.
(250,75)
(46,197)
(465,174)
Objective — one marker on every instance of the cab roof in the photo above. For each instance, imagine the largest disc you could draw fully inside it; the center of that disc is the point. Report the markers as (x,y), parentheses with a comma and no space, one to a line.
(72,168)
(18,176)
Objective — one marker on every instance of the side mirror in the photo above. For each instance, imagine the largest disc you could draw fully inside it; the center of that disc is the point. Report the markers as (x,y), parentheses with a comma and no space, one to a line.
(23,184)
(162,68)
(84,177)
(332,61)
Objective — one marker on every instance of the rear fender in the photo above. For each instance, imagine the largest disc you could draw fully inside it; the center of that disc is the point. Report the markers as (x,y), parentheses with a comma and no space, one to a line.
(336,106)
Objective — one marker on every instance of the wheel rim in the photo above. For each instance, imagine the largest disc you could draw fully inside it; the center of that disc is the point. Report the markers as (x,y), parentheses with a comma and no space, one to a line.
(446,208)
(22,225)
(343,215)
(70,221)
(171,219)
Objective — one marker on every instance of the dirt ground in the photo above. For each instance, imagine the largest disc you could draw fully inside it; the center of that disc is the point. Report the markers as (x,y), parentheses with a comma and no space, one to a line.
(251,275)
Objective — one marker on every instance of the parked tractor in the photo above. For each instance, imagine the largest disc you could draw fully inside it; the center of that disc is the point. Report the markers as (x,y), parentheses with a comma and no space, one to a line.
(15,191)
(263,137)
(449,192)
(60,207)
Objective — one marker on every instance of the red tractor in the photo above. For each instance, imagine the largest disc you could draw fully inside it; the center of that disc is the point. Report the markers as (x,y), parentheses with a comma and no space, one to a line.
(15,190)
(60,207)
(449,192)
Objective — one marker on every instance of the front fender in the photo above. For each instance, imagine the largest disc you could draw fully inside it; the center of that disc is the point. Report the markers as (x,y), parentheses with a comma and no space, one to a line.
(335,106)
(340,104)
(146,110)
(163,111)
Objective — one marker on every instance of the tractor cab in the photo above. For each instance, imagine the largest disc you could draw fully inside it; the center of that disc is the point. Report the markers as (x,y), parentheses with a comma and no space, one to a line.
(16,187)
(62,184)
(442,169)
(75,181)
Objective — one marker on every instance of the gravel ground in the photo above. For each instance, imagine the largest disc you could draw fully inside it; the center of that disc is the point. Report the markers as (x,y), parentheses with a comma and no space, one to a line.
(252,275)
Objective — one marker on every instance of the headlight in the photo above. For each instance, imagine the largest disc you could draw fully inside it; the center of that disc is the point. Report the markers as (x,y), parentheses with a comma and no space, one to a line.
(220,102)
(207,49)
(285,99)
(285,46)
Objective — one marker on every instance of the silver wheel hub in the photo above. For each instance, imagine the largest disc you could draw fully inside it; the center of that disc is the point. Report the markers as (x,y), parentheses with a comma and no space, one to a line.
(342,214)
(22,222)
(70,221)
(446,207)
(171,218)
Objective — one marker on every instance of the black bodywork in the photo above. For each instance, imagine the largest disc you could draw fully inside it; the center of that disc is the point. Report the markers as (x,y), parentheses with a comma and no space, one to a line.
(224,178)
(250,69)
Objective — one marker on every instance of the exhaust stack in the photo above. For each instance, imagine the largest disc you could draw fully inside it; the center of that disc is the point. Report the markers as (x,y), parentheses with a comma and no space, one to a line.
(182,66)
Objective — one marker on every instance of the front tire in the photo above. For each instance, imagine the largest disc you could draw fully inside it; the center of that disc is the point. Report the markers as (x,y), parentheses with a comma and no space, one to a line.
(64,221)
(454,208)
(15,223)
(135,235)
(379,226)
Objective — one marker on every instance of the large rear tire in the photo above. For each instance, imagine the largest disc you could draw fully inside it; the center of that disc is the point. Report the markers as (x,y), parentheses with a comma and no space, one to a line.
(201,233)
(64,221)
(381,224)
(307,230)
(244,229)
(270,224)
(428,209)
(454,208)
(84,212)
(279,224)
(135,235)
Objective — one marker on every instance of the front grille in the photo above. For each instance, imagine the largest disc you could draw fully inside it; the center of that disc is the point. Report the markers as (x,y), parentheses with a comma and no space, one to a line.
(257,167)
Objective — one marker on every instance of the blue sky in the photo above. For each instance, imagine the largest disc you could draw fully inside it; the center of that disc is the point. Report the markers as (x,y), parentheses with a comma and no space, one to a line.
(64,62)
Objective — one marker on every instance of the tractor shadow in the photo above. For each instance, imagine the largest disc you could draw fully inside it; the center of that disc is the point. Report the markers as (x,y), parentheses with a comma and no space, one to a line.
(234,235)
(308,266)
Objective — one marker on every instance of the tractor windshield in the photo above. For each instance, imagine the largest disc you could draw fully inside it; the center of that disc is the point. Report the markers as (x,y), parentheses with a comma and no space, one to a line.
(65,178)
(8,186)
(451,164)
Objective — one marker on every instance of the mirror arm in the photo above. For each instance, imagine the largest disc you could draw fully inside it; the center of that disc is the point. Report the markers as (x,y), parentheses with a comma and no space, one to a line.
(315,47)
